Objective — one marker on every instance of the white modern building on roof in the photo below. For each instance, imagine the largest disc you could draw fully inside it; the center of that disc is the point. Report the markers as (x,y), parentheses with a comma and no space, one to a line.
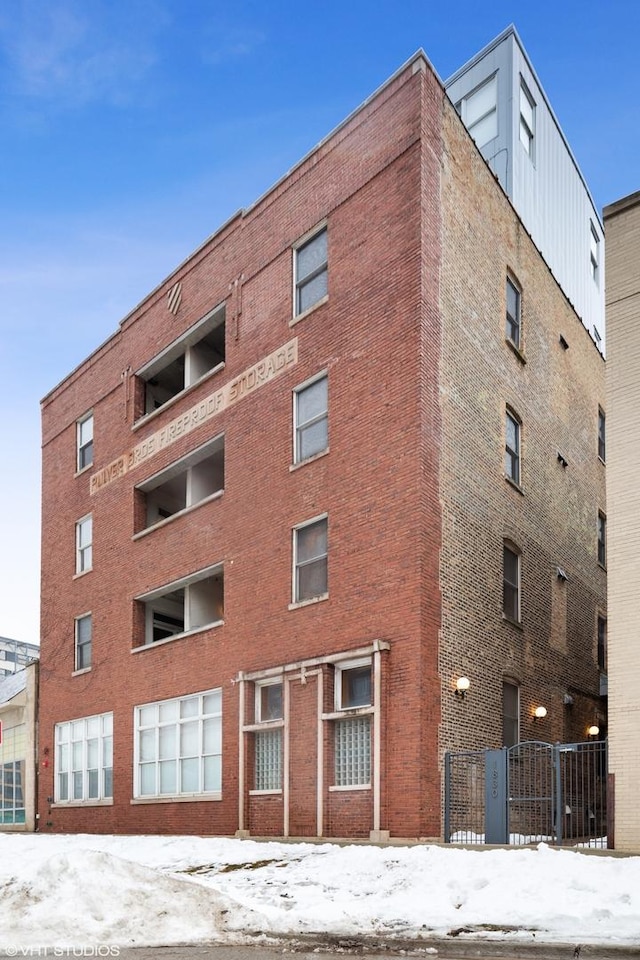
(504,107)
(16,654)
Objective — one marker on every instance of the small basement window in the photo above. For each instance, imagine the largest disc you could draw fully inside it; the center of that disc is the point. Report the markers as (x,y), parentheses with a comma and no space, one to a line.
(191,480)
(190,604)
(198,352)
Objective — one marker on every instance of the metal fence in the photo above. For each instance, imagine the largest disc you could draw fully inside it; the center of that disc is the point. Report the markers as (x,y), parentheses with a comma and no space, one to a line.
(530,793)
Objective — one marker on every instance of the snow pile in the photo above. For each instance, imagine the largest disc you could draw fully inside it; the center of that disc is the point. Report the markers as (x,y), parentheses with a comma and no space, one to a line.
(75,890)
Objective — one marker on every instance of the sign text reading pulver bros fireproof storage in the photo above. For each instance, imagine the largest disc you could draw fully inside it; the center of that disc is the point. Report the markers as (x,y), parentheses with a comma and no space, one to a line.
(256,376)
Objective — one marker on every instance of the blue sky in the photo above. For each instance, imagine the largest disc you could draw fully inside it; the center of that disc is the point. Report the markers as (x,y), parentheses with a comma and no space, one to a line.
(132,129)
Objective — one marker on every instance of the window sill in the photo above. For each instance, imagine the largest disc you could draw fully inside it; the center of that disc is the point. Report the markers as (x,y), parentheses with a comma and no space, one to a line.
(307,603)
(602,461)
(177,636)
(62,804)
(354,786)
(174,516)
(516,350)
(82,573)
(181,798)
(312,459)
(148,417)
(516,486)
(264,725)
(79,473)
(305,313)
(348,713)
(265,793)
(514,623)
(78,673)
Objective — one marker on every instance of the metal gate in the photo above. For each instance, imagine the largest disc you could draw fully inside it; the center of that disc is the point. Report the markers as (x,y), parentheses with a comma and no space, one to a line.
(530,793)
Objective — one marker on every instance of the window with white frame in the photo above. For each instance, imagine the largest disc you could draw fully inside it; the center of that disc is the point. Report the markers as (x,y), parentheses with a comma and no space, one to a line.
(84,759)
(512,446)
(352,734)
(527,118)
(84,544)
(310,272)
(197,477)
(198,352)
(594,252)
(268,741)
(511,583)
(12,782)
(479,111)
(310,412)
(602,436)
(602,539)
(193,603)
(84,442)
(310,560)
(178,746)
(510,714)
(512,327)
(83,630)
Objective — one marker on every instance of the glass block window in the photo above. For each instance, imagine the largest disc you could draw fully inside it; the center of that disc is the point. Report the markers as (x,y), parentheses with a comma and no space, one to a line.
(268,754)
(353,751)
(84,759)
(179,746)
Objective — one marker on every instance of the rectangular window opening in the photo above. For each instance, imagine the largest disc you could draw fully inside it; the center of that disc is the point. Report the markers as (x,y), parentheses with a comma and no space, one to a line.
(602,448)
(199,351)
(480,112)
(311,272)
(512,327)
(83,630)
(84,544)
(602,539)
(194,603)
(510,714)
(178,746)
(311,419)
(184,484)
(84,759)
(84,442)
(310,560)
(511,584)
(527,118)
(512,448)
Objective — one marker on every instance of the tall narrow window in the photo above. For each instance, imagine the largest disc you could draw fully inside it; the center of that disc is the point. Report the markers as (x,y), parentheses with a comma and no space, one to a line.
(479,111)
(510,714)
(602,539)
(512,447)
(602,449)
(511,583)
(84,544)
(268,741)
(527,119)
(352,738)
(83,642)
(512,327)
(594,254)
(311,273)
(311,419)
(310,560)
(602,644)
(84,442)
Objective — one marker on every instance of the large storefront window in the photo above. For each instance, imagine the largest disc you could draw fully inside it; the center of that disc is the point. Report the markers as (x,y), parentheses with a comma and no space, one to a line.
(12,808)
(179,746)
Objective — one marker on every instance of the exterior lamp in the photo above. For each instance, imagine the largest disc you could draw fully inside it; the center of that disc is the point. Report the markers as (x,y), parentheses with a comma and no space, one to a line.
(539,713)
(462,685)
(593,730)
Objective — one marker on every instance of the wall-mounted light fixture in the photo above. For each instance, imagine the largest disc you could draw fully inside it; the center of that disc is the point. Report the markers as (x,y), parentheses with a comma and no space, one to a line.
(593,730)
(462,685)
(539,713)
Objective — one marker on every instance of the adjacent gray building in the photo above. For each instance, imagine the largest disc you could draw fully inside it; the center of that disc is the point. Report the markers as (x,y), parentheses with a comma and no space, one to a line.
(504,107)
(16,654)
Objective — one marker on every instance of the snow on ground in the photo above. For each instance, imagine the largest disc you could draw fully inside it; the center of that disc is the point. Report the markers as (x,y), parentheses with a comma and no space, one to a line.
(67,890)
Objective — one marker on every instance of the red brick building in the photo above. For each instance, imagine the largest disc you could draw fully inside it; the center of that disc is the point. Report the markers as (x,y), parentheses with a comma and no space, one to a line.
(345,454)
